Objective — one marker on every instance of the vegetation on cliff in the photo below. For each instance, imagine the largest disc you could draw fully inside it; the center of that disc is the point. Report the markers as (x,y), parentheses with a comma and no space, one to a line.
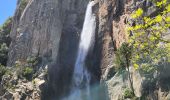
(148,47)
(149,36)
(21,7)
(124,55)
(5,40)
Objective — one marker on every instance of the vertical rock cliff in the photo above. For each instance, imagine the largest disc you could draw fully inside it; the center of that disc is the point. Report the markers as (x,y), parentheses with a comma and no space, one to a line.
(112,18)
(51,29)
(39,27)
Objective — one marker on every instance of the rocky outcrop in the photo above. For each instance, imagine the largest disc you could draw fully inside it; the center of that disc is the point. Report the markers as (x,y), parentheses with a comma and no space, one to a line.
(117,85)
(148,86)
(13,87)
(120,82)
(112,16)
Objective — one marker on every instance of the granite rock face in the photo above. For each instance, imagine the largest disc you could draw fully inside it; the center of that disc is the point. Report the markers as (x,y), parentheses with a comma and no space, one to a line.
(38,29)
(51,30)
(112,16)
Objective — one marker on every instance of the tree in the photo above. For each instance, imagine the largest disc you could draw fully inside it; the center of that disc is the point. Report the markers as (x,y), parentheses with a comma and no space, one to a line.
(124,56)
(5,40)
(5,31)
(3,53)
(149,35)
(147,45)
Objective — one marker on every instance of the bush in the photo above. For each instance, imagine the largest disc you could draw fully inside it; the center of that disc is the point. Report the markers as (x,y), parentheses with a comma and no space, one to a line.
(3,54)
(23,4)
(2,71)
(5,40)
(5,31)
(123,56)
(128,93)
(23,71)
(6,27)
(27,72)
(33,60)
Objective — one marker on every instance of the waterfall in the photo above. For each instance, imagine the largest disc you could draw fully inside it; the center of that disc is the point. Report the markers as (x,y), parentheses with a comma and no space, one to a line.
(87,37)
(81,76)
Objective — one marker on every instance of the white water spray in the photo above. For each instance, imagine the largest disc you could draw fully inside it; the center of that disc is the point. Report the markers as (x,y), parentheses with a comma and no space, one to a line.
(81,76)
(87,38)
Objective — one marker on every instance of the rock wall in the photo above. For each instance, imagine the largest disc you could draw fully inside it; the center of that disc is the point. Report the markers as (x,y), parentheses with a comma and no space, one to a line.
(112,16)
(50,29)
(38,29)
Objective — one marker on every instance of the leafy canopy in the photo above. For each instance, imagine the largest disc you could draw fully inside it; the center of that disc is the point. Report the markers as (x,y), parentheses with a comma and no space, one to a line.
(150,40)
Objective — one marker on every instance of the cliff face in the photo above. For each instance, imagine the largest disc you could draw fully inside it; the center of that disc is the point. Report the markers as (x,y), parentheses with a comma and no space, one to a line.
(51,30)
(38,29)
(111,33)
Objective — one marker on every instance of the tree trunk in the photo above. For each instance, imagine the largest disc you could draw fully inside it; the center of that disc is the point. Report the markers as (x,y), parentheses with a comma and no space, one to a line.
(129,76)
(130,80)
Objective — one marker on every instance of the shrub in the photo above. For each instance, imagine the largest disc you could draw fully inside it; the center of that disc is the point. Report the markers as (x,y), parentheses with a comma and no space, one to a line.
(5,31)
(6,27)
(23,4)
(27,72)
(128,93)
(2,71)
(23,71)
(5,40)
(3,54)
(33,60)
(123,55)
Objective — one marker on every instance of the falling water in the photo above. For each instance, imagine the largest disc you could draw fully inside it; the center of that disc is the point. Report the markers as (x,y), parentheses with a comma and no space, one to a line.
(81,76)
(87,37)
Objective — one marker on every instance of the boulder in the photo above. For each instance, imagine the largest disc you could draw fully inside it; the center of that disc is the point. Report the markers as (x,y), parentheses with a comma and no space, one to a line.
(117,85)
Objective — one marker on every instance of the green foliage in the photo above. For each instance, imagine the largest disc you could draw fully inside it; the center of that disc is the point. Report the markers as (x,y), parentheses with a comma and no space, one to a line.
(5,40)
(5,31)
(26,69)
(23,70)
(123,55)
(137,13)
(3,70)
(119,62)
(6,27)
(23,4)
(123,59)
(128,93)
(148,41)
(147,45)
(33,60)
(3,53)
(27,72)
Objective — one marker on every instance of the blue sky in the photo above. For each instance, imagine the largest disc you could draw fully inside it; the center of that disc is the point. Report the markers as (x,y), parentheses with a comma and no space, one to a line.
(7,9)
